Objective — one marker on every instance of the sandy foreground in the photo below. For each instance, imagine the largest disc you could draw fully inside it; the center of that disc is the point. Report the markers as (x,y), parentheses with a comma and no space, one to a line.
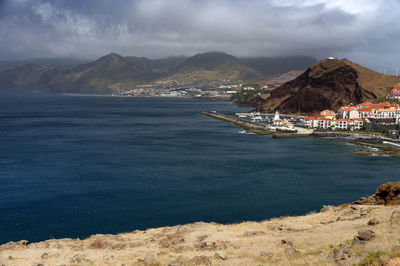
(344,235)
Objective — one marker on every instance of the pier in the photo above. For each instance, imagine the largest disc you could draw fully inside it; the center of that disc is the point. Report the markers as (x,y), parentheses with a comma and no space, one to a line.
(254,127)
(246,125)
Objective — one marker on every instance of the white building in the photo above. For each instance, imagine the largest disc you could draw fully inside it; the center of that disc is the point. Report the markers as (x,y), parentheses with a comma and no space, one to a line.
(319,122)
(353,114)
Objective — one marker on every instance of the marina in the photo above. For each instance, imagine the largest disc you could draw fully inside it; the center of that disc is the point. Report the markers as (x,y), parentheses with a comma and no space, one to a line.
(267,124)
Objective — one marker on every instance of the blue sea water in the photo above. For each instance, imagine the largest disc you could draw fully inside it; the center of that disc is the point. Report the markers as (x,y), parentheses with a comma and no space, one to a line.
(76,166)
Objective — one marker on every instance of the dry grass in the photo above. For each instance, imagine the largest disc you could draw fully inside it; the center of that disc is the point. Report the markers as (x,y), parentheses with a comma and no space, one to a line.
(314,236)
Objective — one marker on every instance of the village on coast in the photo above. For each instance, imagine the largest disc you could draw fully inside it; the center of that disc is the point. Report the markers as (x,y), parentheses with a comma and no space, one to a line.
(382,117)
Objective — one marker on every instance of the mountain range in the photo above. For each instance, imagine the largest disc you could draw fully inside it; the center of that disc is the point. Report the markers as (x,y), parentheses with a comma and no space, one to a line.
(115,71)
(66,61)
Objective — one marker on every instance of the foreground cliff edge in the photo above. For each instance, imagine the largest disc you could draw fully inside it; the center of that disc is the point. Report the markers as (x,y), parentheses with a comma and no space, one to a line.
(365,232)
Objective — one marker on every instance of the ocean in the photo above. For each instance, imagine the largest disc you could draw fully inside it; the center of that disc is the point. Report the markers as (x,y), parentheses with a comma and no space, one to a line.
(72,166)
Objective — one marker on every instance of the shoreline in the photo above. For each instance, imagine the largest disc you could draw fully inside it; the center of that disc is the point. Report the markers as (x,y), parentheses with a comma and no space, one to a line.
(347,234)
(124,96)
(385,146)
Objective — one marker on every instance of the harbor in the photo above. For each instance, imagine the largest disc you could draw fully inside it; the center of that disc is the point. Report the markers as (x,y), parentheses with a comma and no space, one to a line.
(271,126)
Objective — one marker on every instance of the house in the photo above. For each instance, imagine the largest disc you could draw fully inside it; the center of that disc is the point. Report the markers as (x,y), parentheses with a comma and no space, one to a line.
(287,124)
(354,114)
(319,122)
(397,116)
(277,120)
(364,112)
(343,123)
(328,114)
(387,113)
(393,96)
(358,123)
(344,111)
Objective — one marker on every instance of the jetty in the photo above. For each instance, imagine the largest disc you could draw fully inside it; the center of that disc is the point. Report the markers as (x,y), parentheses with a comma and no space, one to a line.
(251,127)
(254,127)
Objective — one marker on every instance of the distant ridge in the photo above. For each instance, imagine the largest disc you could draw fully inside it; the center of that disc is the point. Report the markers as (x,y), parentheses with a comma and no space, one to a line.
(114,71)
(329,84)
(61,61)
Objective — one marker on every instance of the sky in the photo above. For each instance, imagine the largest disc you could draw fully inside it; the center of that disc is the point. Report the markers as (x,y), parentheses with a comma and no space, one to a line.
(365,31)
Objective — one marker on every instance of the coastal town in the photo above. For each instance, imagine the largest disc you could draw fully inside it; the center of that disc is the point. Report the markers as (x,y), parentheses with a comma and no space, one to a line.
(226,88)
(379,117)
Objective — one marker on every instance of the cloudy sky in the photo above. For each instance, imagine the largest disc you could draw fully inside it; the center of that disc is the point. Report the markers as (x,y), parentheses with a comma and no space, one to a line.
(365,31)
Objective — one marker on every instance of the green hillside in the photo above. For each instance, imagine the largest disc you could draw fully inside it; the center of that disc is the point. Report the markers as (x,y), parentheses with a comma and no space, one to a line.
(115,71)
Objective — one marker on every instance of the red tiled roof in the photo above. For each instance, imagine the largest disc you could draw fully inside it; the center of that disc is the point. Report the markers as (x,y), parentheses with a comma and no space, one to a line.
(319,118)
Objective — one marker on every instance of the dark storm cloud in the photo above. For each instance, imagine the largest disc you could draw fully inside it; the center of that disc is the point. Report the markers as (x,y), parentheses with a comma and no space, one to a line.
(366,31)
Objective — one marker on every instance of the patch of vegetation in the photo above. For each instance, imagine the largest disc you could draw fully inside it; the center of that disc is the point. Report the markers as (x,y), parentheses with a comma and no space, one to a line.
(395,253)
(372,258)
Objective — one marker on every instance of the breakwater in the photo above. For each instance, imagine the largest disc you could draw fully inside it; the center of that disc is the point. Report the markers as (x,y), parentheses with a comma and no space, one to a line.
(246,125)
(253,127)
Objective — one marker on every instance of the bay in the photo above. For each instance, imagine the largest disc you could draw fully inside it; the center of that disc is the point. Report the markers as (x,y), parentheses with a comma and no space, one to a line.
(76,166)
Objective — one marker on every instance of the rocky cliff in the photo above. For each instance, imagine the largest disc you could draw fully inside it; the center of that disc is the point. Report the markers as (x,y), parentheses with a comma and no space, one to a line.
(329,84)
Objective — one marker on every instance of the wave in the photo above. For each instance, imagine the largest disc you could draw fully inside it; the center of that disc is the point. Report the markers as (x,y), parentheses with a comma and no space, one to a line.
(247,133)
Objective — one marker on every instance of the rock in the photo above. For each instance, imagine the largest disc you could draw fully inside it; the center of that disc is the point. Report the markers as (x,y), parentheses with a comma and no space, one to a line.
(220,255)
(358,242)
(366,234)
(23,242)
(44,256)
(388,193)
(333,254)
(149,259)
(99,243)
(326,208)
(118,246)
(38,264)
(77,247)
(199,260)
(201,238)
(285,242)
(290,251)
(254,233)
(395,217)
(171,240)
(267,254)
(373,221)
(203,245)
(182,249)
(338,254)
(218,245)
(385,194)
(180,261)
(80,259)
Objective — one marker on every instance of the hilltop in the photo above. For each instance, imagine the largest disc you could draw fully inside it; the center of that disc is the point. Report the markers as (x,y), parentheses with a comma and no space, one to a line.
(365,232)
(114,71)
(214,67)
(329,84)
